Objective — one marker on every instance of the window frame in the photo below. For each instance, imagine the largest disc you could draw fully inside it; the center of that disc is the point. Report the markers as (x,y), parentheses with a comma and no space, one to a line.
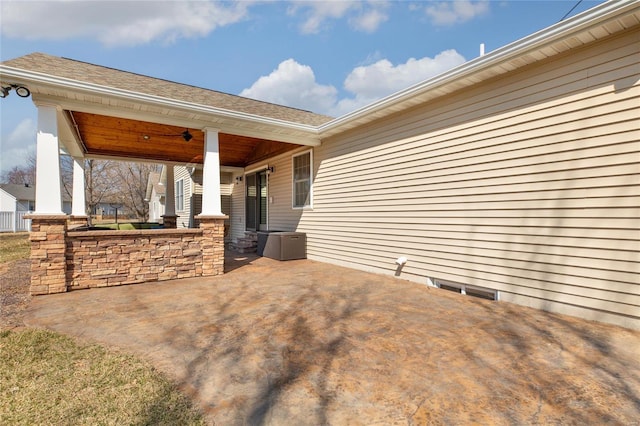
(179,195)
(310,179)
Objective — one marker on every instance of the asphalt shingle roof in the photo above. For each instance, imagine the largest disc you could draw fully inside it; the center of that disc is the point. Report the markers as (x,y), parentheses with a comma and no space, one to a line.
(110,77)
(21,192)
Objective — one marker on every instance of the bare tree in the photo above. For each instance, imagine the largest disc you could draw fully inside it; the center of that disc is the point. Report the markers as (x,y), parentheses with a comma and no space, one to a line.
(101,182)
(132,184)
(105,181)
(25,174)
(66,174)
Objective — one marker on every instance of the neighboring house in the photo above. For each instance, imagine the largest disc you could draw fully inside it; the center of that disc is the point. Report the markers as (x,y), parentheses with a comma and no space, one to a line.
(15,202)
(17,197)
(108,207)
(516,174)
(24,198)
(155,196)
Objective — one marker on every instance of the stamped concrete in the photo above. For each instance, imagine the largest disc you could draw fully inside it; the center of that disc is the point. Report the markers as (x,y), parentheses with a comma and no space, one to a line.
(302,342)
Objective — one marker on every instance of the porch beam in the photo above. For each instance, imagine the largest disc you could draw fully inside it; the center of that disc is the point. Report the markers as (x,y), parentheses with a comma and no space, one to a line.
(211,201)
(48,177)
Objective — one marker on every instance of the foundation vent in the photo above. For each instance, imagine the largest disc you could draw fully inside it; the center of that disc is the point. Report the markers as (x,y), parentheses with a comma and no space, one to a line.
(470,290)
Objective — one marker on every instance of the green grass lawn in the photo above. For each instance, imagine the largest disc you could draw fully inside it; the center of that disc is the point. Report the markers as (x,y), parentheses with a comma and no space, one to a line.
(49,379)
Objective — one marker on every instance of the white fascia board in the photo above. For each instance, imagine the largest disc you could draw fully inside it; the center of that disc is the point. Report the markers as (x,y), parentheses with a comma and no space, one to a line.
(587,20)
(61,83)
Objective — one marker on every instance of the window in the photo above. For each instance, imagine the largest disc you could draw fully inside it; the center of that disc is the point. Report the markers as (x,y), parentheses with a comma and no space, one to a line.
(180,195)
(302,196)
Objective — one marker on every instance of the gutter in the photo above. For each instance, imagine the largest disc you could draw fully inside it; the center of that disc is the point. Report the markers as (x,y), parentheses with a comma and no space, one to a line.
(593,17)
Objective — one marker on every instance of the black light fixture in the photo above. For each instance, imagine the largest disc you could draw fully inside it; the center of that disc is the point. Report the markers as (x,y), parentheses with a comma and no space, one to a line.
(185,135)
(21,91)
(270,170)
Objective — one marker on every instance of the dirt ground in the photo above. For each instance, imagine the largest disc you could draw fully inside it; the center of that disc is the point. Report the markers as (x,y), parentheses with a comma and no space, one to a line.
(14,293)
(303,342)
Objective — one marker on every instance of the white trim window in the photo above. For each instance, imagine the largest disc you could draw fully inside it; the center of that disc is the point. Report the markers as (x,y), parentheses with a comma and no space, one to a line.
(180,195)
(302,185)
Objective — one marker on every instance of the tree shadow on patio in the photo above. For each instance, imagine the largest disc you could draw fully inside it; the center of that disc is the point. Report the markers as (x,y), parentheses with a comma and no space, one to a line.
(279,366)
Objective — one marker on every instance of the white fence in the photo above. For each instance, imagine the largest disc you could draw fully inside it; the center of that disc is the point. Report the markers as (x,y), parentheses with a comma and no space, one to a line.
(14,222)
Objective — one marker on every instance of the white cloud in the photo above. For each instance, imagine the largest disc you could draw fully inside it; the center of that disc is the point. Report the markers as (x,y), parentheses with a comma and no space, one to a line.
(366,17)
(130,23)
(18,145)
(373,82)
(382,77)
(369,21)
(113,24)
(23,134)
(455,12)
(295,85)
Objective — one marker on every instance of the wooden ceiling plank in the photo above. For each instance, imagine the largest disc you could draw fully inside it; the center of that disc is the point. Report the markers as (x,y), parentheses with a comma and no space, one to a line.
(124,138)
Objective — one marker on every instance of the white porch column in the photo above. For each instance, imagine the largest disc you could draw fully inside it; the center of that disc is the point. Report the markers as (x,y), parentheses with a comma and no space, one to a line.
(211,202)
(170,192)
(48,180)
(78,203)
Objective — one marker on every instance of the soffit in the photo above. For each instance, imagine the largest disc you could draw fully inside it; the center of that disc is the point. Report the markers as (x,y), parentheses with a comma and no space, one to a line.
(115,137)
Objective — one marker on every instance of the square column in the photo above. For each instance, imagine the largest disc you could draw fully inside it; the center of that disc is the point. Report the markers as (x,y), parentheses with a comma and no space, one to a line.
(78,203)
(211,201)
(48,222)
(212,244)
(169,218)
(48,178)
(48,254)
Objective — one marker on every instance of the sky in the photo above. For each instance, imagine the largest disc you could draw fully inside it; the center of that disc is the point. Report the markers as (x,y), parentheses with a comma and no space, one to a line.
(329,57)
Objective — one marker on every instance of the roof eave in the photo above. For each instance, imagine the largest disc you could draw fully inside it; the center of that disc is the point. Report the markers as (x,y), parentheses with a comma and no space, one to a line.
(20,76)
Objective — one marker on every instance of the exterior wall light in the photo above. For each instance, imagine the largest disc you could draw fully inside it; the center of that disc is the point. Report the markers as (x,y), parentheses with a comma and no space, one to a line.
(270,170)
(21,91)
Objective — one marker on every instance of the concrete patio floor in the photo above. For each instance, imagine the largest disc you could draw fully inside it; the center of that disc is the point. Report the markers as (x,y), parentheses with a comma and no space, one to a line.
(302,342)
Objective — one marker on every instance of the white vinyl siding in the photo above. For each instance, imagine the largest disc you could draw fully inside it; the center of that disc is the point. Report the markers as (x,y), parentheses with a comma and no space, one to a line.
(528,184)
(184,214)
(301,180)
(236,216)
(192,183)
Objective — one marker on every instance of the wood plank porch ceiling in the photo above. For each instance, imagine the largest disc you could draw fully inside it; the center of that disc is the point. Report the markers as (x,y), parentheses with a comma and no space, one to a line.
(119,137)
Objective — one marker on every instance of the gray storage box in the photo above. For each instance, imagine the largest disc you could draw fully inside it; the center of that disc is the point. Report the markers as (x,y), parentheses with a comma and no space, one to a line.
(262,241)
(284,245)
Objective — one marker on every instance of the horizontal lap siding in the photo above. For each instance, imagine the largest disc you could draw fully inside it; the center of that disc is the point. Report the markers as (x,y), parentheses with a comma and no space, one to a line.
(236,217)
(282,217)
(529,185)
(183,219)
